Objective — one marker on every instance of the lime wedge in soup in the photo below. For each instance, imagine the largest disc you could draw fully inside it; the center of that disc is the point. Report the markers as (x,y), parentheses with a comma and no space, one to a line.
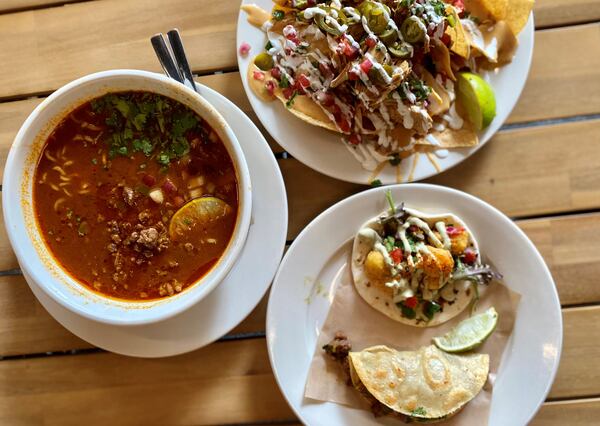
(477,99)
(469,333)
(196,213)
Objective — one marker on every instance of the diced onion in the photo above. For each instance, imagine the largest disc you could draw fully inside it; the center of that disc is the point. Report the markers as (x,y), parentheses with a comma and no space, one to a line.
(157,196)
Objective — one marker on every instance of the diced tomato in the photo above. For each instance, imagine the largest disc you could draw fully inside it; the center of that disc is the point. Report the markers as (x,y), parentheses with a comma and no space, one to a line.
(168,186)
(288,92)
(353,75)
(289,32)
(446,39)
(342,123)
(325,70)
(366,65)
(258,75)
(460,5)
(470,256)
(367,123)
(325,98)
(244,49)
(303,81)
(149,180)
(178,201)
(355,139)
(453,231)
(270,86)
(350,51)
(411,302)
(396,255)
(276,73)
(371,41)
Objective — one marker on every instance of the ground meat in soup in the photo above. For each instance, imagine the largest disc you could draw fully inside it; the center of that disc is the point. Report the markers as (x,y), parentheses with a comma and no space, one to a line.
(110,178)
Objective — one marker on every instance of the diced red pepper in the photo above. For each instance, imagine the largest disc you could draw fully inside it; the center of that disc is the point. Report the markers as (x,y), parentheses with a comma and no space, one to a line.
(396,255)
(411,302)
(470,256)
(366,65)
(258,75)
(276,73)
(244,49)
(355,139)
(371,41)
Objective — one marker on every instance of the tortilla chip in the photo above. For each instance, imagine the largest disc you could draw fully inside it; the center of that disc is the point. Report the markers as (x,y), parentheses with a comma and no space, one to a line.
(450,138)
(258,86)
(517,14)
(485,9)
(459,45)
(309,111)
(441,58)
(439,100)
(506,44)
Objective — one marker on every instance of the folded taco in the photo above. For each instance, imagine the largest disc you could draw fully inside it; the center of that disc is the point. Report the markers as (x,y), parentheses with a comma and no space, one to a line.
(418,269)
(425,386)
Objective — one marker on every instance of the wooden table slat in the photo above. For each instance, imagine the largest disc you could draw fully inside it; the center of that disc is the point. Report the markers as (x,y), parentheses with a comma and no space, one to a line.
(226,382)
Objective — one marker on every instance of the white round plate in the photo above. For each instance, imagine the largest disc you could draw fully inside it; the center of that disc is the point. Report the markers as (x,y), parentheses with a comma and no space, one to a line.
(245,285)
(303,290)
(323,150)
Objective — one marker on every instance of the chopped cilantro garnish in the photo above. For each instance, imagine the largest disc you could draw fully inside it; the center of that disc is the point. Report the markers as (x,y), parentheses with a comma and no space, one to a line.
(183,122)
(122,150)
(406,311)
(419,411)
(395,160)
(143,145)
(94,161)
(284,83)
(163,158)
(269,45)
(278,14)
(389,242)
(290,101)
(375,183)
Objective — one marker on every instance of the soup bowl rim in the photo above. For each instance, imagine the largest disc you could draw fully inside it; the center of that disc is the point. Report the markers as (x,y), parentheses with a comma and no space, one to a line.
(43,268)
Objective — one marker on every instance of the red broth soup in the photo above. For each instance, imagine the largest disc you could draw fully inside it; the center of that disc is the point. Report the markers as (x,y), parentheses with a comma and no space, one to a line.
(135,195)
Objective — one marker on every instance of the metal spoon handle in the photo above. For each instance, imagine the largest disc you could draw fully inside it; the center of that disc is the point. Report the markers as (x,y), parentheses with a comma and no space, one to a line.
(180,58)
(165,58)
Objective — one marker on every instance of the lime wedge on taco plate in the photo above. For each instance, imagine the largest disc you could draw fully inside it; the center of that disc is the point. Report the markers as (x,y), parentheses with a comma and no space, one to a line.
(469,333)
(477,99)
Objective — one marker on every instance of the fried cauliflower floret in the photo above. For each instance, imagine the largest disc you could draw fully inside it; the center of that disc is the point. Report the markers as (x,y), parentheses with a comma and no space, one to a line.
(375,267)
(459,242)
(437,265)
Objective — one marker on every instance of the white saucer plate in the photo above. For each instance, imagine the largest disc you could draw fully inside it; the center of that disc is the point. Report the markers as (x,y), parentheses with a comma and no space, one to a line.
(304,285)
(323,150)
(243,288)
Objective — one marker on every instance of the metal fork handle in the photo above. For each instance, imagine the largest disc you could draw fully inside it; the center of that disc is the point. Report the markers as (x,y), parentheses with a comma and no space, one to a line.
(164,57)
(180,58)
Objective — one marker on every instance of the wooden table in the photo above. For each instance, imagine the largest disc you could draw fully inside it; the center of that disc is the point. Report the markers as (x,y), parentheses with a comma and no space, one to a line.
(542,169)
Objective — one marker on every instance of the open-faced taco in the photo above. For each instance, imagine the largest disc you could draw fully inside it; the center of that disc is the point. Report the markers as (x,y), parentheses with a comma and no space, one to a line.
(416,268)
(383,73)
